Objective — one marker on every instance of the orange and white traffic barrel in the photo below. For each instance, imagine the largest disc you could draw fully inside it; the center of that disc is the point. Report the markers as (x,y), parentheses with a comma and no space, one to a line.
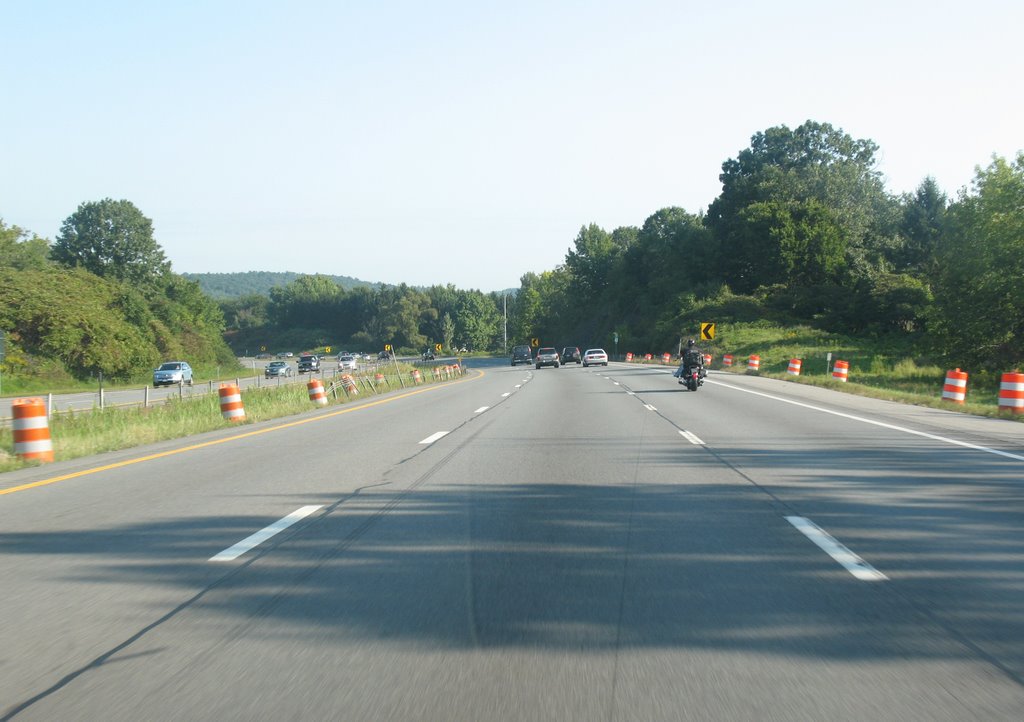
(349,384)
(754,364)
(629,357)
(666,357)
(955,387)
(378,379)
(231,407)
(707,359)
(647,357)
(31,430)
(1011,392)
(416,377)
(841,370)
(317,394)
(727,360)
(794,366)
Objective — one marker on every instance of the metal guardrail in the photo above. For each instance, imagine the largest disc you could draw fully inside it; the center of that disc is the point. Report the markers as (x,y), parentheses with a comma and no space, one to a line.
(145,398)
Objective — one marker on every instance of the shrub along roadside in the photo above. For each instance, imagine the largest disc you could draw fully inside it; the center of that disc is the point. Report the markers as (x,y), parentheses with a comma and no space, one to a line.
(96,432)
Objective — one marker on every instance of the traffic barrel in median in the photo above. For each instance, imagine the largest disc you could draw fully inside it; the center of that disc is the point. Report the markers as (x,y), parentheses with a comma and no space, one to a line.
(231,407)
(647,357)
(666,357)
(1011,392)
(754,364)
(794,366)
(629,357)
(955,387)
(317,394)
(349,384)
(416,377)
(708,358)
(379,379)
(31,430)
(841,370)
(727,360)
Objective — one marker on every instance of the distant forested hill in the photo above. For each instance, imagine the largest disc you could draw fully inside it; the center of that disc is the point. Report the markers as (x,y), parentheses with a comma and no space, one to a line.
(233,285)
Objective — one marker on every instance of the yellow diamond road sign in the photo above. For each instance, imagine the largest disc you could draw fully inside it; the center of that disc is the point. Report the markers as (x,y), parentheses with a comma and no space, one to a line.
(438,347)
(707,331)
(535,342)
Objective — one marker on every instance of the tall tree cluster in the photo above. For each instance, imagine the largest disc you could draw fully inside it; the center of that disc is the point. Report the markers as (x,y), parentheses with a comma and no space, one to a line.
(101,299)
(803,231)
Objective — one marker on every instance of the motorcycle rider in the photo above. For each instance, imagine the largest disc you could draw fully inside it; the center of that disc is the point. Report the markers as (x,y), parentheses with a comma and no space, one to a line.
(693,357)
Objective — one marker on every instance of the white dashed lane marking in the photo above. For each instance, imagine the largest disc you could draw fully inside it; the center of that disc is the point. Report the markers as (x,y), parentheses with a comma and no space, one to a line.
(262,535)
(853,563)
(434,437)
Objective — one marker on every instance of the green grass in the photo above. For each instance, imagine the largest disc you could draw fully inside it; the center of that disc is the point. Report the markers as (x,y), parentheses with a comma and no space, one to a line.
(892,372)
(94,432)
(54,379)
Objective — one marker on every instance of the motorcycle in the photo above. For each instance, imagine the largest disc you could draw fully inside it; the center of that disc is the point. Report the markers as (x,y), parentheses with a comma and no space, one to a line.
(691,377)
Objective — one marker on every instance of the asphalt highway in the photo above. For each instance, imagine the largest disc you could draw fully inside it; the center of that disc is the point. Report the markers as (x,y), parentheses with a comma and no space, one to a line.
(554,544)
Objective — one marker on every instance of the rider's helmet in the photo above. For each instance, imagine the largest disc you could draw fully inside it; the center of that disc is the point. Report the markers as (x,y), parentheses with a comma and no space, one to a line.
(690,343)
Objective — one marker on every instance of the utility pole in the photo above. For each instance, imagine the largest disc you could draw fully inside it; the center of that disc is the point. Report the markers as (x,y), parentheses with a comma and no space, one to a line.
(504,313)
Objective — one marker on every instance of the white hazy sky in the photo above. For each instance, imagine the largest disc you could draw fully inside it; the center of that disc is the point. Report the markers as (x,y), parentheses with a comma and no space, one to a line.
(467,142)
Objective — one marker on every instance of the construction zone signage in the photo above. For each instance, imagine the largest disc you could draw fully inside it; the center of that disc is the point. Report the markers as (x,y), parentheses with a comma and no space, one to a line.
(707,331)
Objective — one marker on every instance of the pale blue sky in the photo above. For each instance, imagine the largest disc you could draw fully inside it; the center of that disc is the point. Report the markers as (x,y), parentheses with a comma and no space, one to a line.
(467,142)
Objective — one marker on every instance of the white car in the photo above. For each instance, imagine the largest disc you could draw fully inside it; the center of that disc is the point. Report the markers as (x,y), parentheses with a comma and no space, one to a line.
(347,361)
(595,356)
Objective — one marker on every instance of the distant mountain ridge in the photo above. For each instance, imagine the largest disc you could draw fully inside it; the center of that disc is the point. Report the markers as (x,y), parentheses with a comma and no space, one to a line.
(232,285)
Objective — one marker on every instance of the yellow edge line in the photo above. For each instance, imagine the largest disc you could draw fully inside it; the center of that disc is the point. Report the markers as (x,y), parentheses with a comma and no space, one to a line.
(193,447)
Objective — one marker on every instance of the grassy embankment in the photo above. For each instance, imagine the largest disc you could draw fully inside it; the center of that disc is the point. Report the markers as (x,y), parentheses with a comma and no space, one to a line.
(54,379)
(94,432)
(890,372)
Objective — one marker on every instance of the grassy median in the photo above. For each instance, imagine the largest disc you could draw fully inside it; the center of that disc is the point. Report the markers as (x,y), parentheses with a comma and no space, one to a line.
(94,432)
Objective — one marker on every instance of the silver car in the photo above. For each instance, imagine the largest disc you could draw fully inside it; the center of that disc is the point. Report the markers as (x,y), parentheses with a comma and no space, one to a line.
(347,361)
(173,372)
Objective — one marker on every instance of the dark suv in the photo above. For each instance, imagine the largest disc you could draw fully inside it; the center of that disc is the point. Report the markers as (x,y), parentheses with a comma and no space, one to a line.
(521,355)
(571,354)
(546,357)
(309,362)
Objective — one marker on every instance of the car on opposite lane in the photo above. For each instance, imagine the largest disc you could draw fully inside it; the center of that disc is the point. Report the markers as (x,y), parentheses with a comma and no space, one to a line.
(173,372)
(546,357)
(347,362)
(277,368)
(595,357)
(309,363)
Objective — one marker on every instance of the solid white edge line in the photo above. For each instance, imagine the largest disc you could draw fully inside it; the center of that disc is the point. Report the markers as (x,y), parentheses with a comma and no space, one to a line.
(434,437)
(828,544)
(481,409)
(884,425)
(692,438)
(233,552)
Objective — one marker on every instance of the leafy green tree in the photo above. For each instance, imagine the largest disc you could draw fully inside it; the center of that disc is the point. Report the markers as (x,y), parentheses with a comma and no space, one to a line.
(448,332)
(111,239)
(245,312)
(590,263)
(310,301)
(814,162)
(979,296)
(476,321)
(21,250)
(921,228)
